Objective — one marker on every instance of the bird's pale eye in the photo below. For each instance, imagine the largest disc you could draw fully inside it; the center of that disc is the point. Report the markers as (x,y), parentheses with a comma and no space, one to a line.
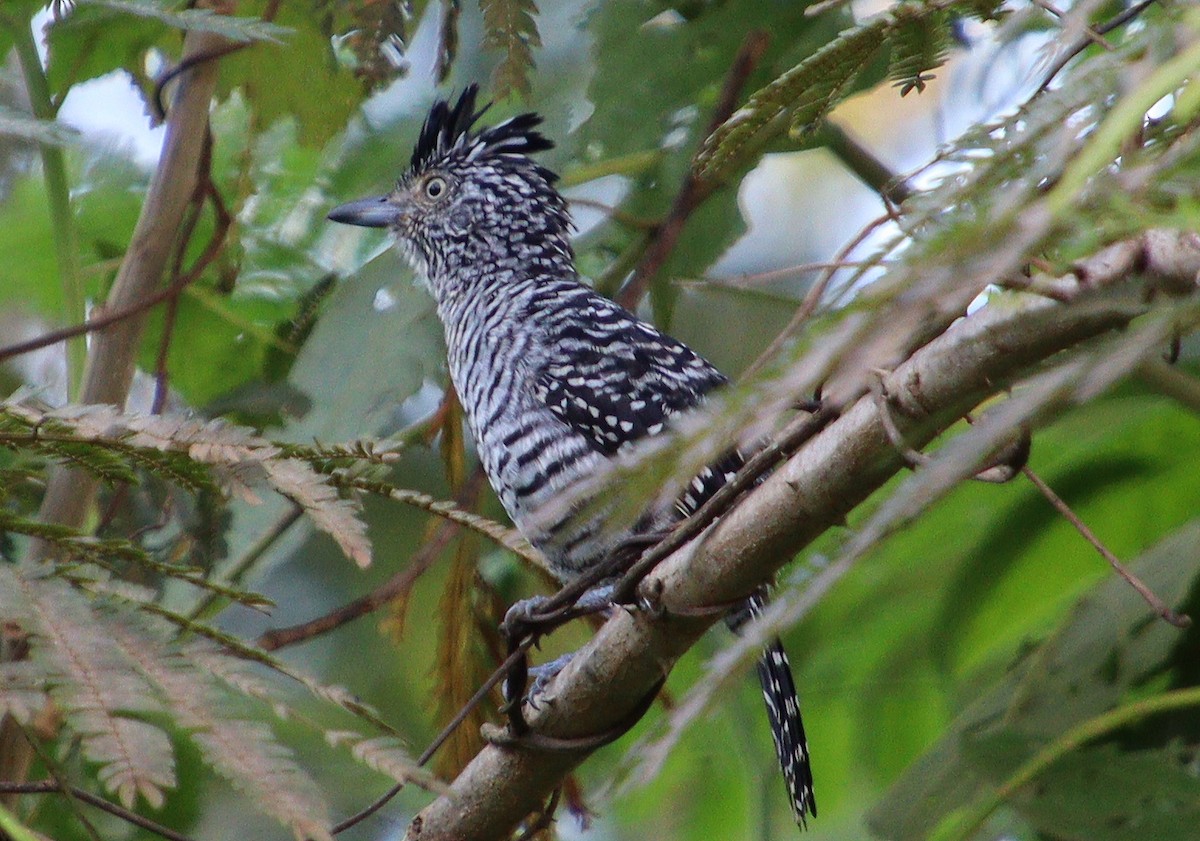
(435,187)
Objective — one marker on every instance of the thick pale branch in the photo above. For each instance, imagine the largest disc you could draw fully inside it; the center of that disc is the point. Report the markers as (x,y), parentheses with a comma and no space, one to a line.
(115,348)
(812,492)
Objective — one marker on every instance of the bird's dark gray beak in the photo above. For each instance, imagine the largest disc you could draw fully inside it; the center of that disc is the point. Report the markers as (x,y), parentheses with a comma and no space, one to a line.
(376,212)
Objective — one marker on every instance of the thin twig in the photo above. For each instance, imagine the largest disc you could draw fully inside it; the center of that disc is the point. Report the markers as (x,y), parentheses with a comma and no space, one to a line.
(498,675)
(1083,43)
(54,787)
(396,586)
(694,190)
(617,214)
(751,279)
(813,299)
(1169,380)
(54,769)
(865,165)
(260,548)
(99,322)
(1088,32)
(1179,620)
(793,436)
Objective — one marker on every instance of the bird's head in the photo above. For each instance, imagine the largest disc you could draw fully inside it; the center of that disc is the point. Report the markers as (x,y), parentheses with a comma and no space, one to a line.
(471,199)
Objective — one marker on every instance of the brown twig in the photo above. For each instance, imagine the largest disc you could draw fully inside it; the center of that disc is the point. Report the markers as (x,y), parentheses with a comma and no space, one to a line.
(1179,620)
(1086,41)
(498,675)
(101,321)
(1088,32)
(893,188)
(54,787)
(268,15)
(694,190)
(205,190)
(396,586)
(793,436)
(813,298)
(749,280)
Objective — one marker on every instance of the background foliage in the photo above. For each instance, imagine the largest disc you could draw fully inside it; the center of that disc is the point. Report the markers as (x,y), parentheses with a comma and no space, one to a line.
(984,636)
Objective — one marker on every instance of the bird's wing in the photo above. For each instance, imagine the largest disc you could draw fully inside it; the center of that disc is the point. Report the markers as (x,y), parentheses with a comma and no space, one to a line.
(615,380)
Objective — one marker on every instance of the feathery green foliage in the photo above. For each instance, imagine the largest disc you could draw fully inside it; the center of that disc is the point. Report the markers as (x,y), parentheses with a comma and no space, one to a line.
(917,34)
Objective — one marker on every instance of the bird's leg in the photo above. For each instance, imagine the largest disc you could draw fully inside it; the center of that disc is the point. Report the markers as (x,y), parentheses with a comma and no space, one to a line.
(527,617)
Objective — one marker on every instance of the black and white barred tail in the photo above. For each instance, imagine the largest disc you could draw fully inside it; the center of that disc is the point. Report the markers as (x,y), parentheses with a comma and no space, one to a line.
(783,713)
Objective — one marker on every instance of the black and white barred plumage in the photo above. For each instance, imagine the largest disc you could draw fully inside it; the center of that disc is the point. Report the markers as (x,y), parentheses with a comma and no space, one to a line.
(554,378)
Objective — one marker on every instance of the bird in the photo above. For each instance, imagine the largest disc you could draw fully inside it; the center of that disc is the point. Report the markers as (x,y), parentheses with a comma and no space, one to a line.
(555,380)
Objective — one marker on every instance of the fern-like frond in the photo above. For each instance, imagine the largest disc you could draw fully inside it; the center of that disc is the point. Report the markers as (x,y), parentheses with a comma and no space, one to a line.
(510,26)
(800,97)
(184,449)
(920,43)
(498,533)
(24,688)
(244,752)
(376,31)
(799,100)
(332,514)
(91,683)
(385,754)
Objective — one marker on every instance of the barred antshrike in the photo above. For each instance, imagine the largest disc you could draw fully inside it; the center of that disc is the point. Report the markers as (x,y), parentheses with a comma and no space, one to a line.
(554,378)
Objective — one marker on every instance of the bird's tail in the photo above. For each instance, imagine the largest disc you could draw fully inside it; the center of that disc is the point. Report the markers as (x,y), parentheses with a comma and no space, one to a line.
(783,711)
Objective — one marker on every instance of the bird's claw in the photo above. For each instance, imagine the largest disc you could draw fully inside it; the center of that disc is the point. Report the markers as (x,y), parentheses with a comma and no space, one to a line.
(522,619)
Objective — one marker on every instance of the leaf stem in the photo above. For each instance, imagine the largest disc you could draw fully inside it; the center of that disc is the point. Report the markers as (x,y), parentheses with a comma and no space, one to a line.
(635,163)
(960,826)
(58,195)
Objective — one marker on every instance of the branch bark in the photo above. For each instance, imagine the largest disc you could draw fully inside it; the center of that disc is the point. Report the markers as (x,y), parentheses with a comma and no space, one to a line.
(114,351)
(812,492)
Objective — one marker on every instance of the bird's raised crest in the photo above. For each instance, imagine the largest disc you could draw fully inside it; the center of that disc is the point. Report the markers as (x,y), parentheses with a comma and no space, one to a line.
(449,127)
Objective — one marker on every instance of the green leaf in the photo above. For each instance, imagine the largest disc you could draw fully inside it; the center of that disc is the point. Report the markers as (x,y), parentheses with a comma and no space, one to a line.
(219,342)
(13,827)
(1107,648)
(30,283)
(1110,793)
(646,105)
(93,41)
(299,80)
(372,33)
(800,98)
(920,43)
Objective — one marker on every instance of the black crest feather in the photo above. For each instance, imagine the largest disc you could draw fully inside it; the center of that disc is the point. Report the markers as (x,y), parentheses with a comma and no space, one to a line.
(449,126)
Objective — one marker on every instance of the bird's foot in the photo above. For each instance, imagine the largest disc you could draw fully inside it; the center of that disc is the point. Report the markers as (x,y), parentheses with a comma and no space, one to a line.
(540,677)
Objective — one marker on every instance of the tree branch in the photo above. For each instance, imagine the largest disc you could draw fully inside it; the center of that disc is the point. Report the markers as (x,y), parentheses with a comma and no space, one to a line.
(69,493)
(694,190)
(812,492)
